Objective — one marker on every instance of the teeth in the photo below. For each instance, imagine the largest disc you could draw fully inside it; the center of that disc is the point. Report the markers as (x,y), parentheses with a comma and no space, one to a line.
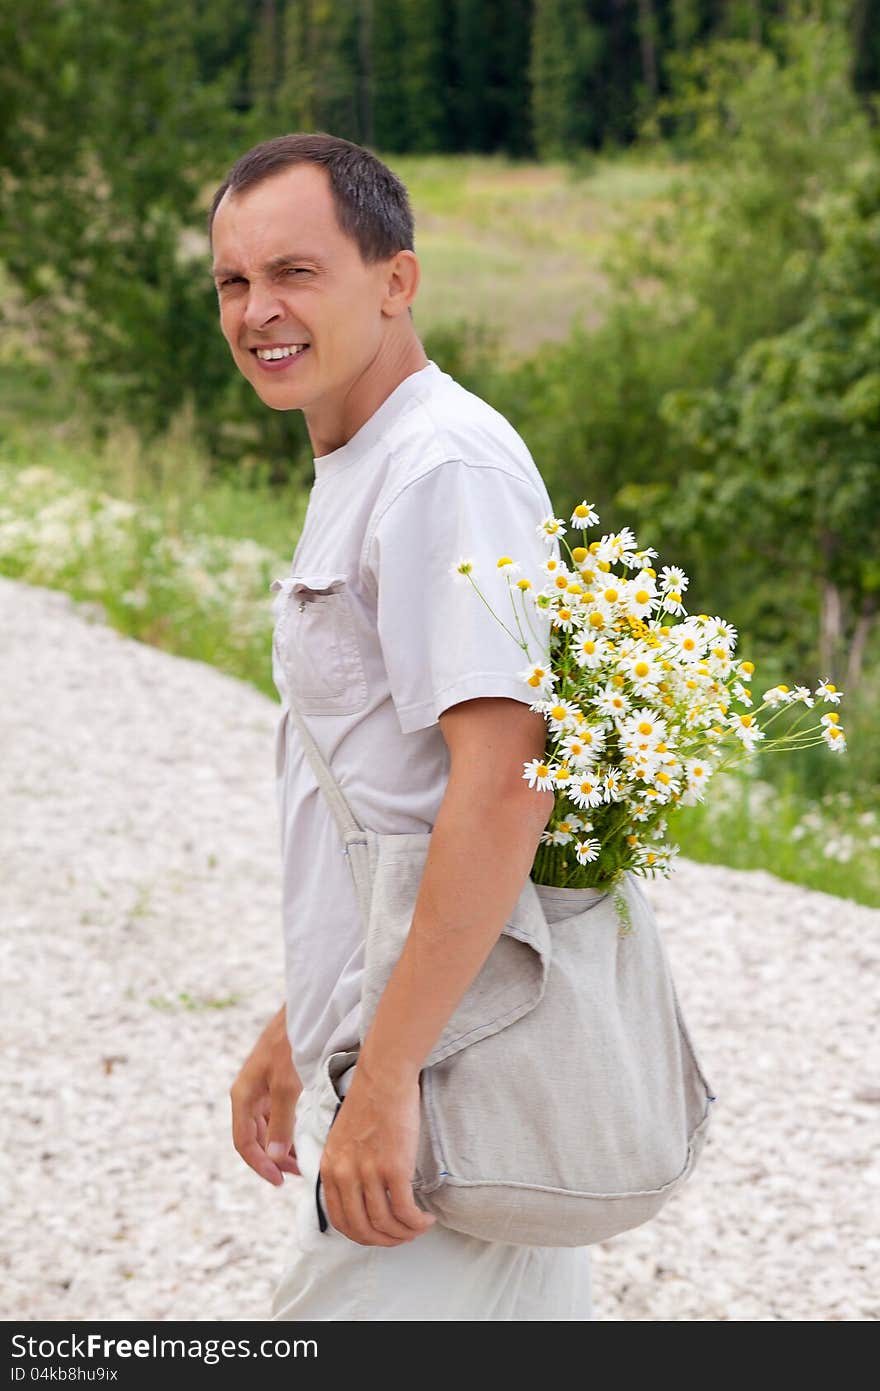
(272,354)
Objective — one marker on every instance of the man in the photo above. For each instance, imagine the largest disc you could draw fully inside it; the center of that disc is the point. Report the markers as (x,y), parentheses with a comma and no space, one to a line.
(413,692)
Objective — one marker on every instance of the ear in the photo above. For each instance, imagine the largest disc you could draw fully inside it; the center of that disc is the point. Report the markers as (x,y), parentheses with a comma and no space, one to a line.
(404,275)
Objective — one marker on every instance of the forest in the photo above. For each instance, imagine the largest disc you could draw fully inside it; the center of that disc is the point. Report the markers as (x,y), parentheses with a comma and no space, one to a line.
(649,233)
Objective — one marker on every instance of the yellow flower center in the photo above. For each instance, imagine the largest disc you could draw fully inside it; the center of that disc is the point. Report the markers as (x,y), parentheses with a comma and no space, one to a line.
(611,596)
(641,668)
(645,727)
(642,596)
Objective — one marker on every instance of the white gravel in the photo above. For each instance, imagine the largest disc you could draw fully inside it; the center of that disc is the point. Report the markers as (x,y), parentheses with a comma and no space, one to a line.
(141,955)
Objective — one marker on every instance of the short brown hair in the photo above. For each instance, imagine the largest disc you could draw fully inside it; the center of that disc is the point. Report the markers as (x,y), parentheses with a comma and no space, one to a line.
(372,205)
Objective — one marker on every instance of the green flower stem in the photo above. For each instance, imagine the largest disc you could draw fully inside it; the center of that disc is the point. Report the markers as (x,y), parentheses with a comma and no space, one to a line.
(495,615)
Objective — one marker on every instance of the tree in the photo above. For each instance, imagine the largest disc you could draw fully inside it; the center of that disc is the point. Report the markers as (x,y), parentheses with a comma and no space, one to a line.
(793,439)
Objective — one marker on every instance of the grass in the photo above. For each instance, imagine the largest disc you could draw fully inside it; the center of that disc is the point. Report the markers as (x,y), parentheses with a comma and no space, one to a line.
(831,843)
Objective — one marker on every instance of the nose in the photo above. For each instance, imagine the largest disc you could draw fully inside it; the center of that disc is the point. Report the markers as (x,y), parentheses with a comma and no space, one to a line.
(263,307)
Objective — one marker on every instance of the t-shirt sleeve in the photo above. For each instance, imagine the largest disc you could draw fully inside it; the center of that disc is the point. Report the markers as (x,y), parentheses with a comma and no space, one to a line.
(440,642)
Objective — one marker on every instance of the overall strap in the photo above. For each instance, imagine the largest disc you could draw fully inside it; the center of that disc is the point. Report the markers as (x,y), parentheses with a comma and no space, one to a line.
(349,827)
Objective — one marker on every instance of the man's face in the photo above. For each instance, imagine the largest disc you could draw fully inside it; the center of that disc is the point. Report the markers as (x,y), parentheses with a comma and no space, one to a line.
(286,275)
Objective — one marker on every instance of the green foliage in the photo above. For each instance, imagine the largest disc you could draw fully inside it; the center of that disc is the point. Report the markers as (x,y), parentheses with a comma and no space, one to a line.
(792,439)
(104,171)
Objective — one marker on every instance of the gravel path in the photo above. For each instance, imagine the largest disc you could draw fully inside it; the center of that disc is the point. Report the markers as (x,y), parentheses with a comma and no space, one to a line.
(141,955)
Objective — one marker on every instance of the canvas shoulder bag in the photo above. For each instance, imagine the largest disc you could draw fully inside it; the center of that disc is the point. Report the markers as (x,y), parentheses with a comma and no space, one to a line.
(564,1101)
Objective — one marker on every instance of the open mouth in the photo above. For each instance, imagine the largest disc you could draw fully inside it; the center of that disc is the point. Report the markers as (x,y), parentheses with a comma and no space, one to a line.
(279,358)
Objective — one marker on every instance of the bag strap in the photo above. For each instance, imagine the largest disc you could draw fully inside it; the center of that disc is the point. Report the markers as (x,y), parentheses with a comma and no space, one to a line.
(349,826)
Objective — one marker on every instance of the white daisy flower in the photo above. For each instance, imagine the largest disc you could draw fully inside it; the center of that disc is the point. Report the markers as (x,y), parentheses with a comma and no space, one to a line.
(611,701)
(613,785)
(686,641)
(508,566)
(722,631)
(641,594)
(665,783)
(550,527)
(540,676)
(590,650)
(585,791)
(672,603)
(462,569)
(584,747)
(561,833)
(648,727)
(556,569)
(606,548)
(561,714)
(611,593)
(584,515)
(643,672)
(803,693)
(831,718)
(749,736)
(562,618)
(741,693)
(673,577)
(778,695)
(587,850)
(537,773)
(640,558)
(828,691)
(834,737)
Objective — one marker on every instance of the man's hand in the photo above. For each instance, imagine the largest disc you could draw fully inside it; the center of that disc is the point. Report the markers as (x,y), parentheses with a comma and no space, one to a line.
(368,1163)
(264,1097)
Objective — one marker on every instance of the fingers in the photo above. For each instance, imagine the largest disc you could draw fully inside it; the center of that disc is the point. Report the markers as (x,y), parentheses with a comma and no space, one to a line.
(363,1211)
(279,1130)
(260,1119)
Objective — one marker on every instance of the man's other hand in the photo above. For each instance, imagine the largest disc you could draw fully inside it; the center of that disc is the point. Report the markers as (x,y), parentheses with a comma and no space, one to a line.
(264,1097)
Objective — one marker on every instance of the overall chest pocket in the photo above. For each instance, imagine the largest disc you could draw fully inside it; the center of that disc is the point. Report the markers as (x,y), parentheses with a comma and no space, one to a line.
(316,643)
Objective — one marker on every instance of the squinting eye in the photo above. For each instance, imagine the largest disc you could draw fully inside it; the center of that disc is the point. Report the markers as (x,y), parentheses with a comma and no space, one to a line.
(296,270)
(232,280)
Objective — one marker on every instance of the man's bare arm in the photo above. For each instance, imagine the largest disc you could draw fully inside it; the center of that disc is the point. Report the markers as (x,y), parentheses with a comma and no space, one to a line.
(264,1097)
(482,848)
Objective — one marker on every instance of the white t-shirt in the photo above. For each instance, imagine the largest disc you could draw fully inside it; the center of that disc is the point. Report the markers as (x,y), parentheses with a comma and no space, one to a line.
(377,639)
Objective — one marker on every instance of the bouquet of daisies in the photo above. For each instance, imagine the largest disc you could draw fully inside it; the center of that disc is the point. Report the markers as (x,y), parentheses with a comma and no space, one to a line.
(644,703)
